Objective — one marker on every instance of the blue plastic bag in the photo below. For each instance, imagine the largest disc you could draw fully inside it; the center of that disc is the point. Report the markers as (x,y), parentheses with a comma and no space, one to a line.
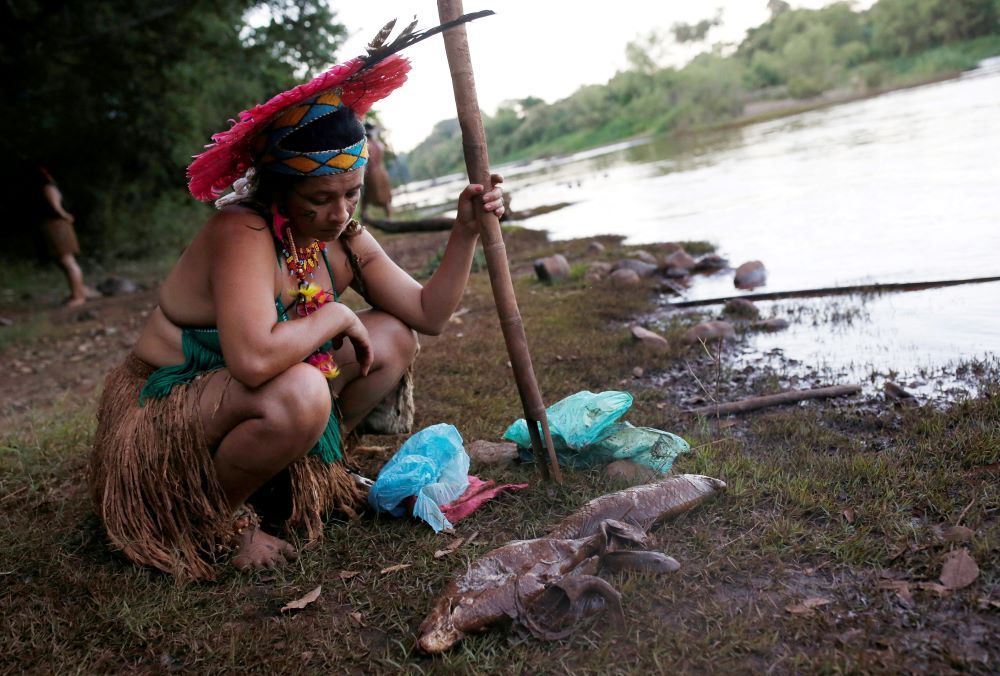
(647,446)
(433,466)
(576,421)
(585,432)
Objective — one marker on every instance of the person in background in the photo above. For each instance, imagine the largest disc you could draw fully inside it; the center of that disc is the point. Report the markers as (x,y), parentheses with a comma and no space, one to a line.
(61,243)
(378,187)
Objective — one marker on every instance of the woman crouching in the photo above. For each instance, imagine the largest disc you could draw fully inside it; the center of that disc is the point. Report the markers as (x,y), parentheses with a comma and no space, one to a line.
(233,400)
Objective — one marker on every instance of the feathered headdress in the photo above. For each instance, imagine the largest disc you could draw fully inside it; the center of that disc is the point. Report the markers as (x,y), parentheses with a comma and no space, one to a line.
(358,84)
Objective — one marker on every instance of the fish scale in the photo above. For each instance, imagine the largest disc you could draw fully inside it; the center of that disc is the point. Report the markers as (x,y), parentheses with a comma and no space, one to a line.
(643,506)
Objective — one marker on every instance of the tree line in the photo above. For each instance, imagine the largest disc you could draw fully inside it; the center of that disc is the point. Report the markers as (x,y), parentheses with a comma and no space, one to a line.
(114,96)
(796,53)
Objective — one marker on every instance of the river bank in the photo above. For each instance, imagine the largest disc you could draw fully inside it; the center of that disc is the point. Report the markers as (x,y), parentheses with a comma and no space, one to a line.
(824,555)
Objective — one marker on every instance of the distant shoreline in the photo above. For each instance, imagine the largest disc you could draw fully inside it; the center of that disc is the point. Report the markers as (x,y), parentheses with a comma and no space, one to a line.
(778,108)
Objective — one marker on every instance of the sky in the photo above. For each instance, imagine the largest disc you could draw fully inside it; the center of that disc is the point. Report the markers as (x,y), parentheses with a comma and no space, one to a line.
(542,48)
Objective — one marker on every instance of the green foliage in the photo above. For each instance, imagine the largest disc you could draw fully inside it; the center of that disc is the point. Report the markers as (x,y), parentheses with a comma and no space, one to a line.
(904,27)
(114,97)
(798,53)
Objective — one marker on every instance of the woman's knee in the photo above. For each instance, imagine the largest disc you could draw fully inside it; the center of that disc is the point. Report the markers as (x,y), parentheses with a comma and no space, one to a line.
(398,342)
(298,401)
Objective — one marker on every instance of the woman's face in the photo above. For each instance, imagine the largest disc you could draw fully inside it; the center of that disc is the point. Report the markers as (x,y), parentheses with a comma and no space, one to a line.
(321,206)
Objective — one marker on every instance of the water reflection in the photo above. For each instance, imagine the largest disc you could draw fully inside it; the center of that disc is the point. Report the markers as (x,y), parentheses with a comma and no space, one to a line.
(904,187)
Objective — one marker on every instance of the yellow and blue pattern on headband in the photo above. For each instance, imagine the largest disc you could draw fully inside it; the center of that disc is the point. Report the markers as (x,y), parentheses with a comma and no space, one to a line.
(310,163)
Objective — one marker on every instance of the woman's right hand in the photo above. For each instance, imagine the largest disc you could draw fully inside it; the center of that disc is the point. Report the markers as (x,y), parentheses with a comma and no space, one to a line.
(355,332)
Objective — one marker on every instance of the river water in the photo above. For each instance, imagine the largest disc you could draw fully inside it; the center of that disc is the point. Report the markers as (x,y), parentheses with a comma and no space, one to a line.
(898,188)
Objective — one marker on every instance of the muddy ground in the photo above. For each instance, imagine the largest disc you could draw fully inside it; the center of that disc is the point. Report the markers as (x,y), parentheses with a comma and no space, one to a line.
(834,549)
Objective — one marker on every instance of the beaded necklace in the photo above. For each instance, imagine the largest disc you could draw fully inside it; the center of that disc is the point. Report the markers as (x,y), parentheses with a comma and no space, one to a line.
(309,295)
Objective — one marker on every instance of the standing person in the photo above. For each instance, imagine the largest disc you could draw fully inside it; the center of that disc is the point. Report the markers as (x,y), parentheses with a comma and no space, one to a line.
(234,399)
(60,238)
(378,187)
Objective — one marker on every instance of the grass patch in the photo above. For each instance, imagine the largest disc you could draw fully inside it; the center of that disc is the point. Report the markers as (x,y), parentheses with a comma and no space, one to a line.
(778,536)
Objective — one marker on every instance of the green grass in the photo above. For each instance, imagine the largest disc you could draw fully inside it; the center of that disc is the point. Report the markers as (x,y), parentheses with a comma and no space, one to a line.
(778,536)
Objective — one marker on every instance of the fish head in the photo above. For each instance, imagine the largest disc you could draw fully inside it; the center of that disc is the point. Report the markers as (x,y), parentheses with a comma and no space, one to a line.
(437,632)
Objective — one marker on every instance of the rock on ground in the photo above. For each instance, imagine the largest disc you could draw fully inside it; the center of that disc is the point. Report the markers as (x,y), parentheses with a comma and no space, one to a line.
(552,268)
(679,259)
(742,308)
(639,267)
(708,332)
(648,338)
(750,275)
(624,277)
(491,452)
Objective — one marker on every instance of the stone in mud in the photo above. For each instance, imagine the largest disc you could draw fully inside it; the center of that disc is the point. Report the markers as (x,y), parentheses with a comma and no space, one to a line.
(649,339)
(491,452)
(595,247)
(646,257)
(673,286)
(708,332)
(117,286)
(742,308)
(552,268)
(679,259)
(772,324)
(624,277)
(639,267)
(598,271)
(897,394)
(750,275)
(631,473)
(710,263)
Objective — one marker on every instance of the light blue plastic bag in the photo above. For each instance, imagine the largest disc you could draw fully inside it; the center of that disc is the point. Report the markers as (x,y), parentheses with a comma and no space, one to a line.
(431,465)
(576,421)
(647,446)
(586,432)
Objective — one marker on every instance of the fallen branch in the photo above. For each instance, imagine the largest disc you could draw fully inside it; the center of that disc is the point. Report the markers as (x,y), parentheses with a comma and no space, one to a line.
(435,224)
(790,397)
(837,291)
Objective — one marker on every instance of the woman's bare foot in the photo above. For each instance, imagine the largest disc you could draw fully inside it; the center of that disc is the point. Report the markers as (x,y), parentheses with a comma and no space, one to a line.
(258,550)
(74,302)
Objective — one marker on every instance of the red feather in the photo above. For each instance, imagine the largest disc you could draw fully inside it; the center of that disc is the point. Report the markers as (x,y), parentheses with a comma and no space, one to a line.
(230,155)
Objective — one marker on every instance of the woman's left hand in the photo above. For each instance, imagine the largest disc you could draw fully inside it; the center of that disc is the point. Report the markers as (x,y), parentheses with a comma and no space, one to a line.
(492,201)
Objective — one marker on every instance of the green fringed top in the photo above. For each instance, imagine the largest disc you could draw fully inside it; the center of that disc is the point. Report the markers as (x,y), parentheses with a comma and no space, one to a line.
(203,353)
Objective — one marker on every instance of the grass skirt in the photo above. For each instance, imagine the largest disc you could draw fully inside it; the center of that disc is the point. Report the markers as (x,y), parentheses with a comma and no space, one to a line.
(153,480)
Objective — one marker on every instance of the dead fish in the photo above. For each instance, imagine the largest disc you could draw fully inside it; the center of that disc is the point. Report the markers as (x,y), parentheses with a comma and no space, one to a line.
(530,580)
(643,506)
(501,584)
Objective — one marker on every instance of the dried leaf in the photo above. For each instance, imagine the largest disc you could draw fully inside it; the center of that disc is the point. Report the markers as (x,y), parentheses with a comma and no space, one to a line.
(393,569)
(455,544)
(957,534)
(959,570)
(807,605)
(357,617)
(301,603)
(986,602)
(934,587)
(348,574)
(848,515)
(902,589)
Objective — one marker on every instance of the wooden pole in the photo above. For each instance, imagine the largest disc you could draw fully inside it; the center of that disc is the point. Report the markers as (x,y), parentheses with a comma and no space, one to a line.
(477,163)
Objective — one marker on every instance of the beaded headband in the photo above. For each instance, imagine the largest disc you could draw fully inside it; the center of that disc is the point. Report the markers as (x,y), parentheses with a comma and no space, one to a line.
(274,157)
